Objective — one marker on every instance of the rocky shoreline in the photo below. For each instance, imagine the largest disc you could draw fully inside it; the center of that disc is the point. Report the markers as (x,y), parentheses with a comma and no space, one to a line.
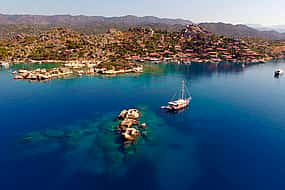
(189,60)
(73,69)
(77,69)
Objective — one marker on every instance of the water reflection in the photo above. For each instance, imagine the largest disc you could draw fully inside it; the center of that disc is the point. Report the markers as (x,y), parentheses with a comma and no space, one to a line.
(205,69)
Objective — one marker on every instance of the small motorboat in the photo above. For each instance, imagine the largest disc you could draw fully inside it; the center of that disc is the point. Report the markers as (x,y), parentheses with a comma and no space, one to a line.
(4,64)
(182,102)
(278,72)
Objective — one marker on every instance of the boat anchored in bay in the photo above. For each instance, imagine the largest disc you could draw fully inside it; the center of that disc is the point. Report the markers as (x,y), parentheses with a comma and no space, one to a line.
(278,72)
(182,102)
(4,65)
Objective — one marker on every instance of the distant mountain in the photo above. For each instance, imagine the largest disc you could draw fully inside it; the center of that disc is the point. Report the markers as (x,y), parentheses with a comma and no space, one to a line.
(242,31)
(81,20)
(33,24)
(260,27)
(277,28)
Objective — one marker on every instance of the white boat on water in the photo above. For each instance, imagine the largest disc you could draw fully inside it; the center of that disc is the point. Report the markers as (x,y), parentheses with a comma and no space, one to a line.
(278,72)
(4,64)
(182,102)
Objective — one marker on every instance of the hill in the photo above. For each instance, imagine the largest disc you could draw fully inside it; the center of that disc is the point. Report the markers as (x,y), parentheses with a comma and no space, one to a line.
(192,44)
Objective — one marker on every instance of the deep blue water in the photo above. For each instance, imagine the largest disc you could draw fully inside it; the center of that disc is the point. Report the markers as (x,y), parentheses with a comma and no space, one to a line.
(231,137)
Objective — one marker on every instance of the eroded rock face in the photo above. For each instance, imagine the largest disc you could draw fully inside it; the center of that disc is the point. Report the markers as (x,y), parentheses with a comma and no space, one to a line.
(131,134)
(192,30)
(129,114)
(133,114)
(129,126)
(42,74)
(122,115)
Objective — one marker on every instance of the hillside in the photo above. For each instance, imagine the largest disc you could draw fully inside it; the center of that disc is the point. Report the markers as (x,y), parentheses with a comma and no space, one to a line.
(192,44)
(241,31)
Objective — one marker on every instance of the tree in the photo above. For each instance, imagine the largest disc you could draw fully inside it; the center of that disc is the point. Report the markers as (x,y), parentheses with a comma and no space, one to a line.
(4,53)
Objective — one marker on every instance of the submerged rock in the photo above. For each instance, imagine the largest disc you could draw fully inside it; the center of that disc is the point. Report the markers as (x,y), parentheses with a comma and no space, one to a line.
(27,139)
(19,77)
(54,133)
(33,137)
(96,145)
(143,125)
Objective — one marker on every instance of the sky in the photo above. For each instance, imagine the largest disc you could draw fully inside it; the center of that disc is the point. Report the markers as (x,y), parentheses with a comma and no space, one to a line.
(265,12)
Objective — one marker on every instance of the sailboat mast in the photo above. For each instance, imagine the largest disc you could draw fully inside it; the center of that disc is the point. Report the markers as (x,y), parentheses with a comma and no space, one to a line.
(183,90)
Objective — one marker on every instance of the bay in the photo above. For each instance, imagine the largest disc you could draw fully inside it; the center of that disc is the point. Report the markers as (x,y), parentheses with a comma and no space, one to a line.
(231,137)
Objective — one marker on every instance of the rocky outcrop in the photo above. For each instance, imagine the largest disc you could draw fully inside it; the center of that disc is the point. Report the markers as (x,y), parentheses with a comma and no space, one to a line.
(129,114)
(70,69)
(193,30)
(42,74)
(129,126)
(131,134)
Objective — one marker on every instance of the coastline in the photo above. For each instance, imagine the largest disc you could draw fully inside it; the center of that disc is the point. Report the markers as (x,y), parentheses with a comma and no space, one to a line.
(72,68)
(79,68)
(178,61)
(183,60)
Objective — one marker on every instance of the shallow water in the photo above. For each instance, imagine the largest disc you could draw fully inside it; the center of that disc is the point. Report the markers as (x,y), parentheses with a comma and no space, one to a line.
(231,137)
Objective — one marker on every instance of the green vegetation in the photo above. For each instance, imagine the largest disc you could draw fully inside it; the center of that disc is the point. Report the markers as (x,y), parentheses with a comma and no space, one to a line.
(117,48)
(4,53)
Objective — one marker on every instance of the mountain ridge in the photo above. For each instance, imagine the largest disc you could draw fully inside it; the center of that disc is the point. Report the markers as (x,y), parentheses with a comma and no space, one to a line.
(82,19)
(241,31)
(277,28)
(33,24)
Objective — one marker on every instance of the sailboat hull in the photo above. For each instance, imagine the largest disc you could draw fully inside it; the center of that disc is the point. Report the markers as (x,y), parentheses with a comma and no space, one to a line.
(177,105)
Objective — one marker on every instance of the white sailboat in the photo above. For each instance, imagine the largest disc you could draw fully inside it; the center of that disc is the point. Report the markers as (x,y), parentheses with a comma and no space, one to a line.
(182,102)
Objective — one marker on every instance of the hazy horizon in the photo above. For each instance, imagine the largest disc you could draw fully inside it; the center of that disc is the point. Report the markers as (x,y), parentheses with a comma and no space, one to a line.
(234,12)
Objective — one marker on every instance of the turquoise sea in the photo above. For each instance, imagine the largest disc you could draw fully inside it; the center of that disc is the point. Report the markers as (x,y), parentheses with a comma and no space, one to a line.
(60,134)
